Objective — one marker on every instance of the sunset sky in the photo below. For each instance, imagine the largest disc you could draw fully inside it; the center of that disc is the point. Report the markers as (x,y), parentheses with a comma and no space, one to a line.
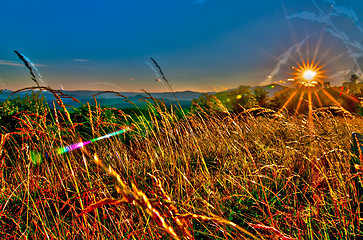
(201,45)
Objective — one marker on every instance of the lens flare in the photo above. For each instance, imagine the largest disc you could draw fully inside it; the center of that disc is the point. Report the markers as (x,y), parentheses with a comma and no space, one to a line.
(309,74)
(75,146)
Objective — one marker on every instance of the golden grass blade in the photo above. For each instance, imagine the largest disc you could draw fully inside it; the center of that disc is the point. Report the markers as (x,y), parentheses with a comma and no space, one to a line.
(100,203)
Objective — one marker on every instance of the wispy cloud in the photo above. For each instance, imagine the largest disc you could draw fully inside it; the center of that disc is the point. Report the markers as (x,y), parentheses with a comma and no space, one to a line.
(114,86)
(354,47)
(41,65)
(284,58)
(311,16)
(342,73)
(2,84)
(9,63)
(348,12)
(198,2)
(80,60)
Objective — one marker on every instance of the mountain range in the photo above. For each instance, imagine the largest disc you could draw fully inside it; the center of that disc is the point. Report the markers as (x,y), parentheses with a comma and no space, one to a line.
(111,99)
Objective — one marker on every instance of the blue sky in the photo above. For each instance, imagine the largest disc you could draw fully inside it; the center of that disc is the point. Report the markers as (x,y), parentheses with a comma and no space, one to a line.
(202,45)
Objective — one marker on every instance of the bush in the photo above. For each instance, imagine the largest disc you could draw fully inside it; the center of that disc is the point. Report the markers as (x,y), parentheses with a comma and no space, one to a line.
(14,106)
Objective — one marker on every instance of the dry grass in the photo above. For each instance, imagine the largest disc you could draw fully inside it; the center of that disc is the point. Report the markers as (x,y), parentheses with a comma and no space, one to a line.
(203,177)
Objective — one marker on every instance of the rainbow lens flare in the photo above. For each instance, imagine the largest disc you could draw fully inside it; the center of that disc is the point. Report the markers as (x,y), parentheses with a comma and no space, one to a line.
(75,146)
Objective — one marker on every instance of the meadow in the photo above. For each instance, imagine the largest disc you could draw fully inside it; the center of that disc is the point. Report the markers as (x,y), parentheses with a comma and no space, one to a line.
(174,174)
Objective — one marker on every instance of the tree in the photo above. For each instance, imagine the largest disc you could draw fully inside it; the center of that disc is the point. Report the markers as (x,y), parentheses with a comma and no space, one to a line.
(327,84)
(354,78)
(280,99)
(242,98)
(208,103)
(261,96)
(14,106)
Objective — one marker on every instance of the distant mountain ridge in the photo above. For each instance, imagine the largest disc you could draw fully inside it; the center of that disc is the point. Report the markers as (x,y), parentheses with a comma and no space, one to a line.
(272,89)
(113,100)
(183,95)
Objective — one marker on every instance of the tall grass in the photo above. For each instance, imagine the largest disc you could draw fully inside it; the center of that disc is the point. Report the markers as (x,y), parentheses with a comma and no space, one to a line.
(196,177)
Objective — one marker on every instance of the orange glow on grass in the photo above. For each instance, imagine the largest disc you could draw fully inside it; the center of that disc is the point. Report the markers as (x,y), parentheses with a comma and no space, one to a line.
(308,80)
(318,98)
(288,100)
(300,101)
(331,98)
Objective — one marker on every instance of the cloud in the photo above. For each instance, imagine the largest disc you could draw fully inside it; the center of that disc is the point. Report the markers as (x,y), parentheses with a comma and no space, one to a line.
(323,17)
(80,60)
(356,55)
(3,84)
(350,13)
(199,2)
(9,63)
(41,65)
(338,34)
(114,86)
(340,74)
(310,16)
(283,59)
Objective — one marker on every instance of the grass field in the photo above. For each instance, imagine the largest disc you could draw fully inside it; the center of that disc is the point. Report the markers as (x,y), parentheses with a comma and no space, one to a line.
(173,177)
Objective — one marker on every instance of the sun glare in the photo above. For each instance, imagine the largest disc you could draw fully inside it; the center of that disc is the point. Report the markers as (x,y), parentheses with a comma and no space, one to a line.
(308,75)
(308,78)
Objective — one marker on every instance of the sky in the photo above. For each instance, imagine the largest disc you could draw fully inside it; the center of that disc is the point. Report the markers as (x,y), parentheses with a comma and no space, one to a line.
(201,45)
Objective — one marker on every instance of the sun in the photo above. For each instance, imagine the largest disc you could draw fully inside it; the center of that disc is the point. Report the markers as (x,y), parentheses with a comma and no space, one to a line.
(309,91)
(309,74)
(309,80)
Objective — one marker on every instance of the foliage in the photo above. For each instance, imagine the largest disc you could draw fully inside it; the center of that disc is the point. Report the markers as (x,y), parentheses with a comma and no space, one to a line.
(354,78)
(353,88)
(279,100)
(238,99)
(327,84)
(209,104)
(233,100)
(16,106)
(220,177)
(261,96)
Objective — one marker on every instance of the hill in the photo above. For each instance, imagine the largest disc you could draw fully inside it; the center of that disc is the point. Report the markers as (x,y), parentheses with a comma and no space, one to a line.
(113,100)
(271,89)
